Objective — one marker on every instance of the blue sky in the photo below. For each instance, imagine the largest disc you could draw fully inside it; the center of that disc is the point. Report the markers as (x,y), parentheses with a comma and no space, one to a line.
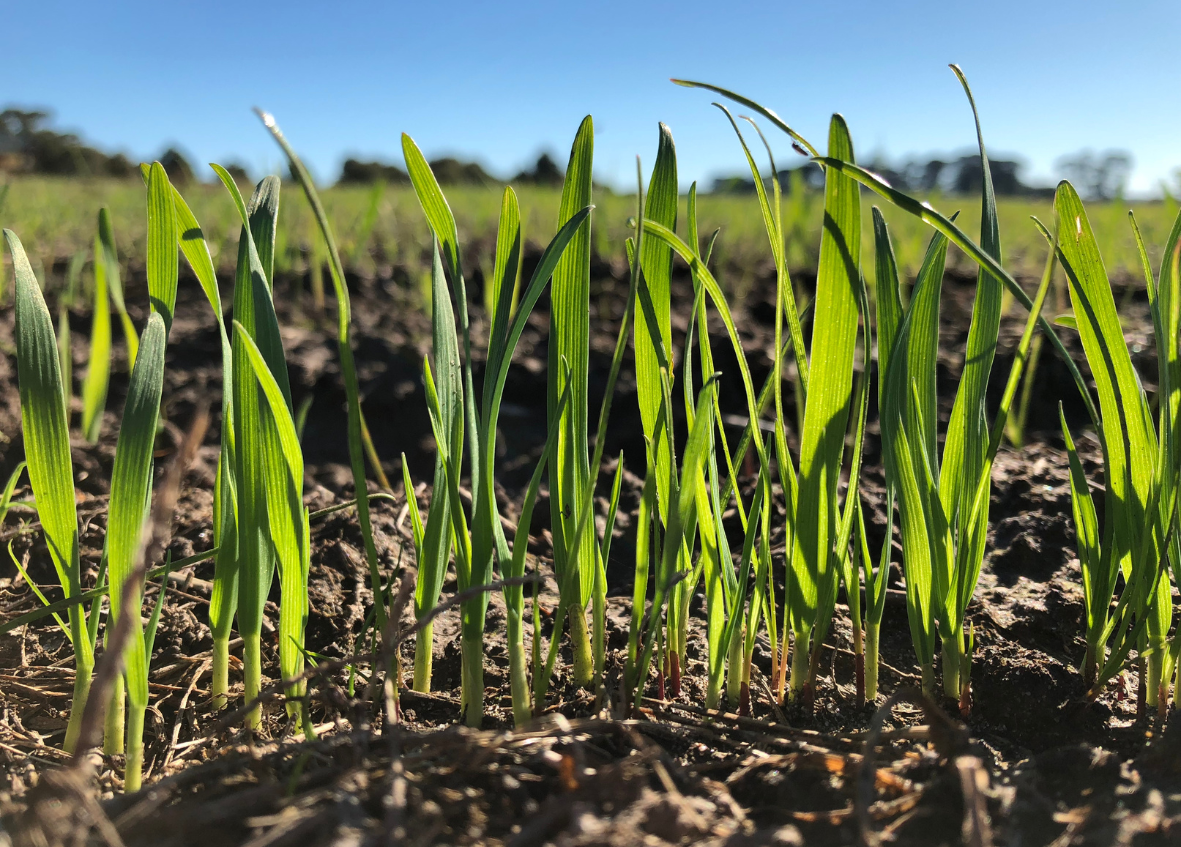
(502,82)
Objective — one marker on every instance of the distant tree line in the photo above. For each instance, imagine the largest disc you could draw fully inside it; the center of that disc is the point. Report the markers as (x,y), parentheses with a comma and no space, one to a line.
(450,171)
(1100,176)
(28,146)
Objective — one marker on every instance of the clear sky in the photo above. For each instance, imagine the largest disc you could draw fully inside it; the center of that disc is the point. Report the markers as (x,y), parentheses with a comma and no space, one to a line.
(500,82)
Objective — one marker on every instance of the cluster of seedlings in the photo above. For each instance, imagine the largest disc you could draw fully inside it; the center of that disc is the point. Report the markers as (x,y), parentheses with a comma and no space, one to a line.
(938,485)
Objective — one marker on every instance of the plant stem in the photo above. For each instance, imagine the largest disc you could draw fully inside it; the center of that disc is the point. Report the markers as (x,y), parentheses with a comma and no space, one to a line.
(929,678)
(83,671)
(1090,666)
(116,716)
(781,666)
(800,661)
(220,685)
(519,682)
(1141,688)
(252,671)
(734,670)
(953,651)
(713,688)
(1156,663)
(859,657)
(598,623)
(423,657)
(744,686)
(472,660)
(133,770)
(871,661)
(1176,681)
(580,643)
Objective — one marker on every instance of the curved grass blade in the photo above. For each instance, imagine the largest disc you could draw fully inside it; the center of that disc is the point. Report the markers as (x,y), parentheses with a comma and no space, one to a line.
(254,313)
(47,452)
(751,104)
(163,244)
(569,470)
(347,364)
(131,491)
(653,334)
(810,572)
(957,237)
(98,366)
(287,518)
(223,602)
(437,538)
(110,260)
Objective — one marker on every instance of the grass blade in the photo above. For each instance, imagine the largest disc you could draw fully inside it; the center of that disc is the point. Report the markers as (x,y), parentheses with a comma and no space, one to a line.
(47,451)
(131,484)
(810,572)
(98,366)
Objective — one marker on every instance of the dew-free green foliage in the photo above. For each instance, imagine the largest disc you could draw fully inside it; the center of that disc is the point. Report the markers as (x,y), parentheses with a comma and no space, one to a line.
(255,434)
(98,363)
(56,218)
(569,470)
(967,431)
(224,597)
(692,506)
(682,515)
(131,475)
(812,574)
(47,452)
(131,479)
(288,522)
(434,550)
(110,257)
(654,367)
(455,411)
(348,366)
(1139,469)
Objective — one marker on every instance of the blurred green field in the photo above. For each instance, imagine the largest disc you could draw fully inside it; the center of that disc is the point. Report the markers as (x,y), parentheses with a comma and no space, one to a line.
(380,229)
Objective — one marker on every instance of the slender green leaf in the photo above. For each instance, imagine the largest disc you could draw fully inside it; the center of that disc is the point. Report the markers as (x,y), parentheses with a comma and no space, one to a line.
(98,366)
(826,417)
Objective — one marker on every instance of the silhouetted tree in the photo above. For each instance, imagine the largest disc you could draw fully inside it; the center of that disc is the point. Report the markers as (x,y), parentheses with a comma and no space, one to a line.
(545,172)
(26,145)
(357,172)
(239,173)
(176,166)
(450,171)
(1098,176)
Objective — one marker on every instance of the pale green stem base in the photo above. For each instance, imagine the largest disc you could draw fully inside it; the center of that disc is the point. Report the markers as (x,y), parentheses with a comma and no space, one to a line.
(584,668)
(116,717)
(252,674)
(872,631)
(1091,666)
(800,661)
(83,672)
(133,771)
(929,679)
(953,655)
(519,683)
(294,704)
(424,644)
(1156,663)
(713,688)
(734,671)
(472,659)
(599,627)
(219,686)
(1176,681)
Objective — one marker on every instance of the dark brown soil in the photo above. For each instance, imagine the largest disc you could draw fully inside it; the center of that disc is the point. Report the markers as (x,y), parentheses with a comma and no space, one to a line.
(1033,764)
